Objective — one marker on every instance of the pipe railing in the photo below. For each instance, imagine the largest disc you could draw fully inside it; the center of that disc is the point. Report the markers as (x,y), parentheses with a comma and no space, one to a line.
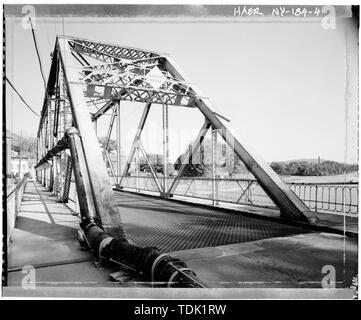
(329,197)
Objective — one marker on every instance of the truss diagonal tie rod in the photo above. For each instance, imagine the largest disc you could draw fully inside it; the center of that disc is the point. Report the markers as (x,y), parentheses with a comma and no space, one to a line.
(188,154)
(135,141)
(154,174)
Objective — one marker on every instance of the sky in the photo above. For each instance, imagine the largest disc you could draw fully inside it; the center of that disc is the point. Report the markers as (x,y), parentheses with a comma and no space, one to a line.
(282,85)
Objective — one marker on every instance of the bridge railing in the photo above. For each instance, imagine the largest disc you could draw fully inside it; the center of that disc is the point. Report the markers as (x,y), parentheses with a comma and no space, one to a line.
(325,197)
(329,197)
(13,200)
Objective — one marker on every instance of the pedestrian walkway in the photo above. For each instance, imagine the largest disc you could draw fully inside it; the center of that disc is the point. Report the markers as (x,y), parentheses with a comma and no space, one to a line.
(45,237)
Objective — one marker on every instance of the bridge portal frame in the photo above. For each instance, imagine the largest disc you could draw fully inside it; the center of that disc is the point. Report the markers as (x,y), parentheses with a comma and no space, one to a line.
(120,74)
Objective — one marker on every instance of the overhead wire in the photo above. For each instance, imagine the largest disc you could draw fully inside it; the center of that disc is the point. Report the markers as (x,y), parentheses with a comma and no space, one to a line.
(20,96)
(37,52)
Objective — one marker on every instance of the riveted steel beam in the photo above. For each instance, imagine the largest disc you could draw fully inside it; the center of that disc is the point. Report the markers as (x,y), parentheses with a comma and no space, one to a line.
(100,184)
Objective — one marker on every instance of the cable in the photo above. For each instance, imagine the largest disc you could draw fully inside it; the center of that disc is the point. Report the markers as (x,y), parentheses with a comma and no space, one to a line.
(37,52)
(22,99)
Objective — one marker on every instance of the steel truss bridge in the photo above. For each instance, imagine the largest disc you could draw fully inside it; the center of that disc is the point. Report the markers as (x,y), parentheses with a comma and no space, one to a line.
(86,80)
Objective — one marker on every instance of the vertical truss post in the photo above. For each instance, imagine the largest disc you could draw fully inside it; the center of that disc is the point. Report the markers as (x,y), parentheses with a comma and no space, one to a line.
(51,123)
(37,160)
(214,167)
(43,151)
(52,174)
(67,179)
(107,158)
(38,156)
(137,164)
(57,175)
(165,146)
(48,146)
(42,154)
(45,177)
(96,127)
(119,143)
(47,130)
(110,129)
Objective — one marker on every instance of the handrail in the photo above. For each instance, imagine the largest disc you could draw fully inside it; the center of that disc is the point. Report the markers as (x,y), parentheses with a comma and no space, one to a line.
(323,183)
(248,179)
(13,200)
(330,197)
(17,186)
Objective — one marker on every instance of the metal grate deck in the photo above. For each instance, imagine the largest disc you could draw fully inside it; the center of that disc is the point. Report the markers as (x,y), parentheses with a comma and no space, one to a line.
(173,226)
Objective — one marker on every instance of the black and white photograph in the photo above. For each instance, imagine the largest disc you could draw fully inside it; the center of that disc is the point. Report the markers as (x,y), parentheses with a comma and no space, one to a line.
(180,151)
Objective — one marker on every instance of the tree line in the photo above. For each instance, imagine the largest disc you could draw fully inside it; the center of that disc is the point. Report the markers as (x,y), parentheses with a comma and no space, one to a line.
(306,168)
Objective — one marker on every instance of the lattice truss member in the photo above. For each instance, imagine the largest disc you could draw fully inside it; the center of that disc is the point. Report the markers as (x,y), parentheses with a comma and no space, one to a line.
(88,79)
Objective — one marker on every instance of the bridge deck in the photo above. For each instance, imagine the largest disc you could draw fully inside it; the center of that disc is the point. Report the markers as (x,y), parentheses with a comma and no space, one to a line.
(224,249)
(174,226)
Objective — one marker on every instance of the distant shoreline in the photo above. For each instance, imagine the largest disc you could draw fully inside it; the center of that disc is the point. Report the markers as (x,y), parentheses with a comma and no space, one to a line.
(340,178)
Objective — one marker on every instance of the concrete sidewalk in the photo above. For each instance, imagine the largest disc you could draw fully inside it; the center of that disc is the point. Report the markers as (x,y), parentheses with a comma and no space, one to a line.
(45,237)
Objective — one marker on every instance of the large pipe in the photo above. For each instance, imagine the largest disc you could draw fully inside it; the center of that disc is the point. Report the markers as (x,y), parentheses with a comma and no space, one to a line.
(160,269)
(59,147)
(148,261)
(82,180)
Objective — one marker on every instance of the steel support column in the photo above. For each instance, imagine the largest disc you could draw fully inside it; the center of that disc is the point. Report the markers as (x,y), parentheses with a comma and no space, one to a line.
(214,167)
(107,158)
(137,164)
(119,143)
(67,179)
(110,129)
(165,146)
(96,127)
